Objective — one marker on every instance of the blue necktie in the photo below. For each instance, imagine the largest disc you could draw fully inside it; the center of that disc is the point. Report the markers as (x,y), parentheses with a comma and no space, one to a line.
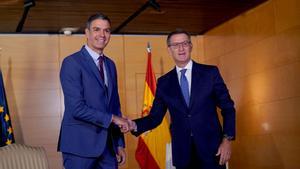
(184,85)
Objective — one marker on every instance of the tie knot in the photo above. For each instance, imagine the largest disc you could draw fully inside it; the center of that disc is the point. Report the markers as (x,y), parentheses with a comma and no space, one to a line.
(183,71)
(101,58)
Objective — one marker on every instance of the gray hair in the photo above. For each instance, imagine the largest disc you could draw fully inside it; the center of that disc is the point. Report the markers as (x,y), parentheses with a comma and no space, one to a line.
(177,31)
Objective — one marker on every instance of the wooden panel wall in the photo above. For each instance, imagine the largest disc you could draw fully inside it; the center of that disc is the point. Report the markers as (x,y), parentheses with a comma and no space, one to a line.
(30,68)
(31,63)
(258,53)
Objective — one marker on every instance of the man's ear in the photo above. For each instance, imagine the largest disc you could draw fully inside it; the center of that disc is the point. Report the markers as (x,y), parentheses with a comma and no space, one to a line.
(169,51)
(86,31)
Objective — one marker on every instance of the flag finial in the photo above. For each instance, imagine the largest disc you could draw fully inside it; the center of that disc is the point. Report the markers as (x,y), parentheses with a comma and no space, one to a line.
(148,47)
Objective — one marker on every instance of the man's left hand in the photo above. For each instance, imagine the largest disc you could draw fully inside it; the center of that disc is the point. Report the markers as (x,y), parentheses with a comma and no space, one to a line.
(224,151)
(121,156)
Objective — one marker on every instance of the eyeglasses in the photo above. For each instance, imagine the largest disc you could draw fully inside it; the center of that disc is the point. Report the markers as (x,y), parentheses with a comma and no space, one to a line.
(184,44)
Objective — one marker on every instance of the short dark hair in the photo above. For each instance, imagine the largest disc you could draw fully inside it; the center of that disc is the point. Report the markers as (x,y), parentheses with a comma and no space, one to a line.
(177,31)
(96,16)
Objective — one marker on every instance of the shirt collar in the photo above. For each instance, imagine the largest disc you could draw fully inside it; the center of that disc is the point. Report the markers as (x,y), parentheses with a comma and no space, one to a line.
(94,54)
(187,66)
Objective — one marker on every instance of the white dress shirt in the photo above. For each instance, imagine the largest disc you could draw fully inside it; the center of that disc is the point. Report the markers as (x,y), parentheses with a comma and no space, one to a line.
(188,73)
(95,57)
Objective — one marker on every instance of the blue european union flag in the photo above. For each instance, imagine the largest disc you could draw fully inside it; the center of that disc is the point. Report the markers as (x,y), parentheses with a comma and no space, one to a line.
(6,131)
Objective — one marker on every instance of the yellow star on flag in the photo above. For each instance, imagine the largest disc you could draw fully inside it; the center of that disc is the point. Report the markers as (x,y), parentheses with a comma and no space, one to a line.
(6,118)
(9,130)
(8,142)
(1,109)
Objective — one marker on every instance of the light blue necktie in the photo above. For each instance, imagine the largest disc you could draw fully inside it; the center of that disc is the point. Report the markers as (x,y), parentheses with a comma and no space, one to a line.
(184,85)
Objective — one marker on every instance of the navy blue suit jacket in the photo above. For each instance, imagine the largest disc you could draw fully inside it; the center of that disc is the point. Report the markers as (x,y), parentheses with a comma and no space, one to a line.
(88,106)
(200,118)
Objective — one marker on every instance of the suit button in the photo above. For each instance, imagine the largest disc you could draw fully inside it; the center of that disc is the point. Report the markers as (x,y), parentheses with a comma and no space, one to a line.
(189,115)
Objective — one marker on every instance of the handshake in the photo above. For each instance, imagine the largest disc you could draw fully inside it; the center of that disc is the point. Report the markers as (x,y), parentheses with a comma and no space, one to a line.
(126,125)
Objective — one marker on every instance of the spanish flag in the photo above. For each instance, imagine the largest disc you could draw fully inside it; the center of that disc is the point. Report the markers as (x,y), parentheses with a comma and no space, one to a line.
(6,132)
(154,147)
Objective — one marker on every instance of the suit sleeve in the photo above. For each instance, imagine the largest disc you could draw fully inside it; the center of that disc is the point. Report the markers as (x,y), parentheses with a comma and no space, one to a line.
(156,114)
(117,134)
(70,76)
(225,103)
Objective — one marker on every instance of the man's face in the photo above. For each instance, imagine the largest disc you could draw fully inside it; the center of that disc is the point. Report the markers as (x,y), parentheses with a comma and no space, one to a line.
(98,35)
(180,49)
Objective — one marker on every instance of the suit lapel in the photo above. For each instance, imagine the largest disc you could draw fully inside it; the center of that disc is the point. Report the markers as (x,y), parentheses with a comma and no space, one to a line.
(109,75)
(197,82)
(90,65)
(175,87)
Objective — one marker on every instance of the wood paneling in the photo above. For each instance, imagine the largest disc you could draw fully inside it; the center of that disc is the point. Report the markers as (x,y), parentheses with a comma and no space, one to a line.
(254,25)
(261,69)
(257,53)
(49,16)
(287,14)
(10,14)
(241,31)
(30,66)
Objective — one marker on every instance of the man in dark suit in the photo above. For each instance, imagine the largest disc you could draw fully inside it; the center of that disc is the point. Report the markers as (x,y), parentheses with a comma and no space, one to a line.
(90,137)
(192,92)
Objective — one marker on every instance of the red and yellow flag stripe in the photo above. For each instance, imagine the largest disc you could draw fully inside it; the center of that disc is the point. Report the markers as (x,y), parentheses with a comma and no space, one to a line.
(152,151)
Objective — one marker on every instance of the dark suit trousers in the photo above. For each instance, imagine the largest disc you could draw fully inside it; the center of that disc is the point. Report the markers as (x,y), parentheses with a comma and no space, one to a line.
(197,163)
(107,160)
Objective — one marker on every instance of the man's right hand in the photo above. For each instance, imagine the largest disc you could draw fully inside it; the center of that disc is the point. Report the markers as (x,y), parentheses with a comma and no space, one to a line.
(122,123)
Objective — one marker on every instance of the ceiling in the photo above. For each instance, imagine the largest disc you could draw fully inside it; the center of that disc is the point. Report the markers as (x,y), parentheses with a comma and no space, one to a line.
(49,16)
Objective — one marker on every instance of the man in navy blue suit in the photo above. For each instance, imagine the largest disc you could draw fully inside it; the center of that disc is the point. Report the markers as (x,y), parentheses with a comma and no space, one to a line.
(192,92)
(90,137)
